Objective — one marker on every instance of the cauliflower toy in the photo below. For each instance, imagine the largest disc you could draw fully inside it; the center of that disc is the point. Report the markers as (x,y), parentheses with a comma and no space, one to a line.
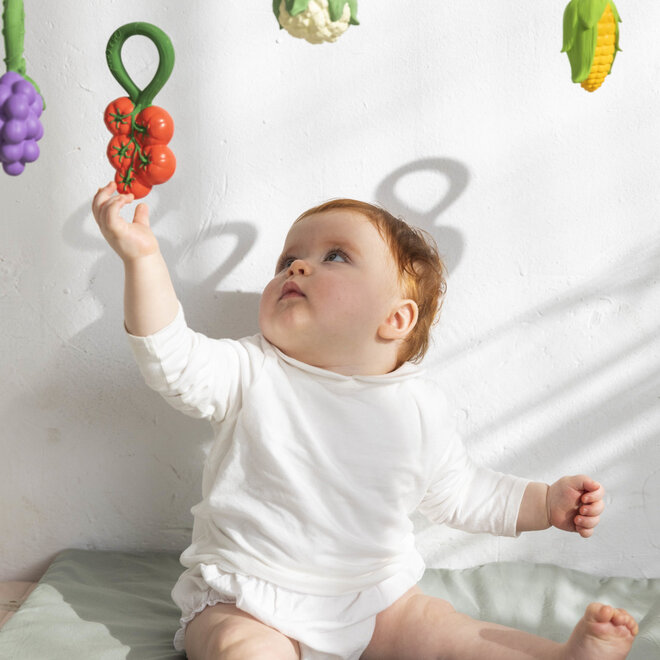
(316,21)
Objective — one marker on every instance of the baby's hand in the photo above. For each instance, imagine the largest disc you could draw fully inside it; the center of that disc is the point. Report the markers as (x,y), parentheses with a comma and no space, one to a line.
(129,240)
(575,504)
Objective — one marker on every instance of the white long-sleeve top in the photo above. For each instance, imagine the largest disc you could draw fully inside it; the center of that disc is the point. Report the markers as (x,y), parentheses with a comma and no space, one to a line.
(313,475)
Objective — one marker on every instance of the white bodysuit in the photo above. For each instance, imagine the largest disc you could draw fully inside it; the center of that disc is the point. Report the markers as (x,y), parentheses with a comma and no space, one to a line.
(313,475)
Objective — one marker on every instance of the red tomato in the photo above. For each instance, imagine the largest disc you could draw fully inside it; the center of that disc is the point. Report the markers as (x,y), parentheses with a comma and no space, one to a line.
(127,183)
(155,165)
(117,116)
(121,150)
(154,125)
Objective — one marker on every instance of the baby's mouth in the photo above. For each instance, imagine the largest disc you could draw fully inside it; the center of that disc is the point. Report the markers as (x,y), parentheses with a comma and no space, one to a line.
(291,290)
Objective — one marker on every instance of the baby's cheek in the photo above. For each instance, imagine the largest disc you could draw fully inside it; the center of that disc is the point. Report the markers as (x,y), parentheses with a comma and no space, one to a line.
(270,293)
(264,305)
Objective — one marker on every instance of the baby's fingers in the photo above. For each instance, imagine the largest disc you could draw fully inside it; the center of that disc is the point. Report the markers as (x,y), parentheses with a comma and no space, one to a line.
(102,196)
(108,216)
(586,522)
(141,215)
(593,496)
(584,532)
(594,509)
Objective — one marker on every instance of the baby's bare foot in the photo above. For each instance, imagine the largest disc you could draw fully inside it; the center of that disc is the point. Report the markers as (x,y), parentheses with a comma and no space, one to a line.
(603,633)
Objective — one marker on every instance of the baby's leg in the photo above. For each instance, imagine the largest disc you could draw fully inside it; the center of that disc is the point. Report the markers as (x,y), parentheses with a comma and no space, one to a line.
(223,632)
(423,628)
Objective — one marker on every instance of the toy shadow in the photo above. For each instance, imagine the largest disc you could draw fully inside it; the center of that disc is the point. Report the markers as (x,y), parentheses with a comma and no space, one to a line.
(449,239)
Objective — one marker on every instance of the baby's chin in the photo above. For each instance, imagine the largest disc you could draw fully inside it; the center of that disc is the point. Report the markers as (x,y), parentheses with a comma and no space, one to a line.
(292,350)
(313,354)
(280,343)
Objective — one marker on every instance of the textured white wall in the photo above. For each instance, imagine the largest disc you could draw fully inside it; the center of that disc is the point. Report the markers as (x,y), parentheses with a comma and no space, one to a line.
(459,115)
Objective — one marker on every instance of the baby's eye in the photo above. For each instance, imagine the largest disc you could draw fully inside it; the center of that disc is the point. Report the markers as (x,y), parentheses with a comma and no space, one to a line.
(285,262)
(337,256)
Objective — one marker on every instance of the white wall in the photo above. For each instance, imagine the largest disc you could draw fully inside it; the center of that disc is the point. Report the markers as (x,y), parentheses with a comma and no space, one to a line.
(459,115)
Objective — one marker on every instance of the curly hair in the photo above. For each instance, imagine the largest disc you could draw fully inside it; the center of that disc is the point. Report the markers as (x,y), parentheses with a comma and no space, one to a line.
(421,271)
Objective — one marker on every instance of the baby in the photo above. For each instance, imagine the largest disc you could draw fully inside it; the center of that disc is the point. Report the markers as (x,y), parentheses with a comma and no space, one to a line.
(327,438)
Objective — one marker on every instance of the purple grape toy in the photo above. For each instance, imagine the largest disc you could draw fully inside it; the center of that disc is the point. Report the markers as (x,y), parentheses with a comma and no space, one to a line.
(21,103)
(20,108)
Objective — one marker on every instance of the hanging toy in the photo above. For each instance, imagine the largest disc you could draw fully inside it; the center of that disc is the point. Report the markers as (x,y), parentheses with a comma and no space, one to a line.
(138,149)
(316,21)
(21,103)
(591,40)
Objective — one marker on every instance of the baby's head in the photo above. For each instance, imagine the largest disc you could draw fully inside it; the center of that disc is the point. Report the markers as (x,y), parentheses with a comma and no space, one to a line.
(420,269)
(370,283)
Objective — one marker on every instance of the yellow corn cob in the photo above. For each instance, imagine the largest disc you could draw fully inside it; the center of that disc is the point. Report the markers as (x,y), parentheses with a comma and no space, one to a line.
(591,40)
(604,53)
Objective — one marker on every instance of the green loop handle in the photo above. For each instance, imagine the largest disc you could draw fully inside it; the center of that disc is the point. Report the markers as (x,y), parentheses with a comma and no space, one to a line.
(142,98)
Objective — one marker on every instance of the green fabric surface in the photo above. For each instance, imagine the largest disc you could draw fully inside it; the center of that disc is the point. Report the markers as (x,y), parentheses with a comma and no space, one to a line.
(93,605)
(548,600)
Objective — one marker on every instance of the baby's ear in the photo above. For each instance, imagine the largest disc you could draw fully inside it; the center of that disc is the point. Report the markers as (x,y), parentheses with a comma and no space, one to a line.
(400,322)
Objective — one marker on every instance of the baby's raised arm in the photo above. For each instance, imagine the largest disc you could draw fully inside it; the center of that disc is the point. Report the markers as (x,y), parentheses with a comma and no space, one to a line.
(150,302)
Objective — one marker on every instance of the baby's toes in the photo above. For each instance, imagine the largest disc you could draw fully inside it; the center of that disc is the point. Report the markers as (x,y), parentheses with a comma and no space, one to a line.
(622,618)
(599,613)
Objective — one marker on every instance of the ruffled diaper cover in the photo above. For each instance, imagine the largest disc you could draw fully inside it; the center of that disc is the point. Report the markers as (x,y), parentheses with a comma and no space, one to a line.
(326,627)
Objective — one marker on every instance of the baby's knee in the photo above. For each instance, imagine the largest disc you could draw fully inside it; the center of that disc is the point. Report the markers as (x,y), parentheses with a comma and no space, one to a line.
(438,618)
(427,608)
(255,649)
(418,626)
(233,641)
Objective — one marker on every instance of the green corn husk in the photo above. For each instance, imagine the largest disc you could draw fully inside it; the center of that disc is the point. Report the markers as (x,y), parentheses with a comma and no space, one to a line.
(581,32)
(335,8)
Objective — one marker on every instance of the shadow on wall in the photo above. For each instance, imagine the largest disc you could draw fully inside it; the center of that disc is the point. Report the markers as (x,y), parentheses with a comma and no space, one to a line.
(603,408)
(105,381)
(236,312)
(101,347)
(450,241)
(104,362)
(103,370)
(604,297)
(610,393)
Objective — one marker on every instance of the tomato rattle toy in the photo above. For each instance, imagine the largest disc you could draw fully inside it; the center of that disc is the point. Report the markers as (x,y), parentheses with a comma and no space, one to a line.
(140,131)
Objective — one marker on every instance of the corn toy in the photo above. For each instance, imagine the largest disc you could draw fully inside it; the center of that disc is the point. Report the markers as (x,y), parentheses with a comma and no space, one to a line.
(21,103)
(591,40)
(316,21)
(141,131)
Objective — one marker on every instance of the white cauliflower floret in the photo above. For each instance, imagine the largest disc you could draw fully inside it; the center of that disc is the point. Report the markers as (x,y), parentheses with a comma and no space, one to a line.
(315,23)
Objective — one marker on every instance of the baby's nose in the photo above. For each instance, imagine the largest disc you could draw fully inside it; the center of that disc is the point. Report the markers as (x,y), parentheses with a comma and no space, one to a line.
(299,267)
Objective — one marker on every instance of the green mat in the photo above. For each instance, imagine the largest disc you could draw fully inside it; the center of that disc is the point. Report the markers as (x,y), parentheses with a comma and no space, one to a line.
(115,605)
